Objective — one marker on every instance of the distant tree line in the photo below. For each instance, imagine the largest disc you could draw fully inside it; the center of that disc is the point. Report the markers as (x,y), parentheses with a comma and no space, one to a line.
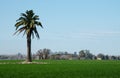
(43,54)
(64,55)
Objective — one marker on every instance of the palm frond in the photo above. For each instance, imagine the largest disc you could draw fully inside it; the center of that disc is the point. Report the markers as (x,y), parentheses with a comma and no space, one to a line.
(20,30)
(18,24)
(24,15)
(36,17)
(32,23)
(22,19)
(32,34)
(24,33)
(30,13)
(27,31)
(38,23)
(36,33)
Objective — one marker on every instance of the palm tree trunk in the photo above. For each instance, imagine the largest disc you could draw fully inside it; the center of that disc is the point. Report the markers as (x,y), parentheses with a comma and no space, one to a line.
(29,59)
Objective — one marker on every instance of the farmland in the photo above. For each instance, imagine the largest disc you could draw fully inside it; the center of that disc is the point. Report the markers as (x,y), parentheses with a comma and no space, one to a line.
(60,69)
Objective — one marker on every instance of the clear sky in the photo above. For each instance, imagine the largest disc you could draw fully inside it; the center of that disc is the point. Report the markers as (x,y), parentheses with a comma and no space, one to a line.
(69,25)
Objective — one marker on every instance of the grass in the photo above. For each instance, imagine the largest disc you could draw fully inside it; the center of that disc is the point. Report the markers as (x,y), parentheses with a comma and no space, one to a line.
(61,69)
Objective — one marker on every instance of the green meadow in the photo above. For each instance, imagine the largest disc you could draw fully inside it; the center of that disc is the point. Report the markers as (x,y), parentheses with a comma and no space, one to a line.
(60,69)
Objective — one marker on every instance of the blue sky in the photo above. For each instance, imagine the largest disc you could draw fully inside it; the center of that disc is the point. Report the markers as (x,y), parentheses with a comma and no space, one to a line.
(69,25)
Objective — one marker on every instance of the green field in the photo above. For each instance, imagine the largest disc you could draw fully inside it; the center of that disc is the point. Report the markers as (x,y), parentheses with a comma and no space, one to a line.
(61,69)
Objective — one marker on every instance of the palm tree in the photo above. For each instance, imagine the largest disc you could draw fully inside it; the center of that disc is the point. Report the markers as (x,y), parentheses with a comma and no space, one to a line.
(27,23)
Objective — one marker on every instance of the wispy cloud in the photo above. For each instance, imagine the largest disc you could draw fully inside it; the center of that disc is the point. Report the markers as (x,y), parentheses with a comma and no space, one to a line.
(94,34)
(99,33)
(79,35)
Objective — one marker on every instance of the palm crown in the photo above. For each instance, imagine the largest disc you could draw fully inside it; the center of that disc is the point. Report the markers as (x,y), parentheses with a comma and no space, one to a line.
(27,23)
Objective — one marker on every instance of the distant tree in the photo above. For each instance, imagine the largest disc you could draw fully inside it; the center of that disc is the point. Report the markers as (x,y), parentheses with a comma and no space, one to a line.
(106,57)
(27,23)
(113,58)
(40,54)
(46,52)
(85,54)
(82,53)
(100,55)
(118,57)
(88,55)
(43,53)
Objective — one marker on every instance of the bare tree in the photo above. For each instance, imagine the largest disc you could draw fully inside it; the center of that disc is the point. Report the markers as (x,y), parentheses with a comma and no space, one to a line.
(40,54)
(82,53)
(43,53)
